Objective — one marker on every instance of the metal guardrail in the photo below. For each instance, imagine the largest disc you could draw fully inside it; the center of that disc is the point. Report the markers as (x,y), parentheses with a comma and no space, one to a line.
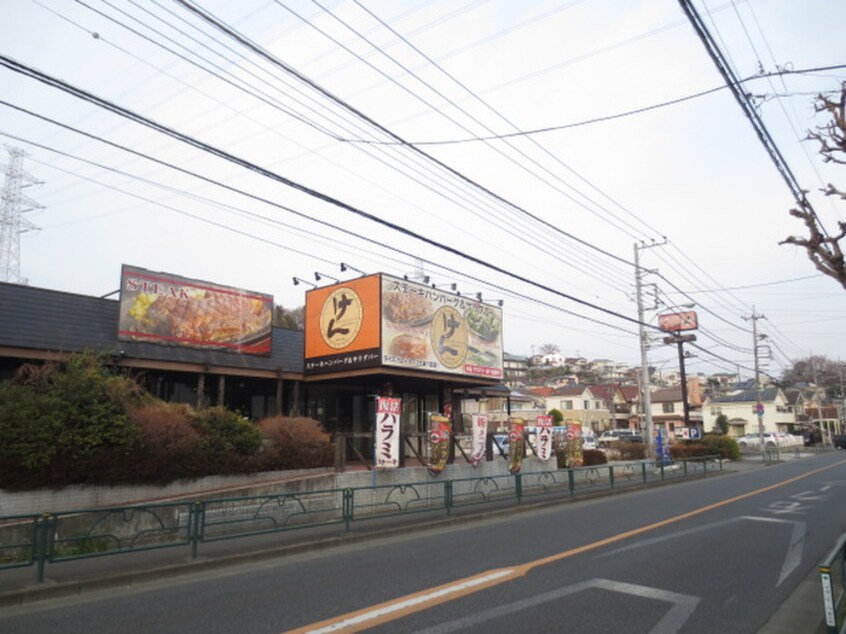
(833,579)
(53,538)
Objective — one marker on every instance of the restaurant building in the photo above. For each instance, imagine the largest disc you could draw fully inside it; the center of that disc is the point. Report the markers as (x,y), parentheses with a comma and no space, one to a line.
(205,344)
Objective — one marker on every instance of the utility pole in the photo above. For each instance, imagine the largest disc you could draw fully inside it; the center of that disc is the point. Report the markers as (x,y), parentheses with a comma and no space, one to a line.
(759,406)
(825,432)
(646,394)
(12,223)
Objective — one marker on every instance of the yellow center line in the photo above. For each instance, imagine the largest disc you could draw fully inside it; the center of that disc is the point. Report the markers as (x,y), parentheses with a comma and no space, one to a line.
(418,601)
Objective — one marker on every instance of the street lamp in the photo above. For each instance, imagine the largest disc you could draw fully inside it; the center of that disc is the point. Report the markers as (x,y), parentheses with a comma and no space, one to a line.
(319,276)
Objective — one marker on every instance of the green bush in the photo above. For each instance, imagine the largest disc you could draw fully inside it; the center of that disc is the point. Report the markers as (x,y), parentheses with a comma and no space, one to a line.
(226,439)
(64,423)
(557,416)
(723,445)
(561,457)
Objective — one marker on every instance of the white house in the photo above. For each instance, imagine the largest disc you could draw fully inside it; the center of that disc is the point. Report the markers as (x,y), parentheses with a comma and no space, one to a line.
(739,408)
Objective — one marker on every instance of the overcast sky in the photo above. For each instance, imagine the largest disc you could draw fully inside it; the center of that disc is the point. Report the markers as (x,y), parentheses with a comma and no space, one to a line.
(503,131)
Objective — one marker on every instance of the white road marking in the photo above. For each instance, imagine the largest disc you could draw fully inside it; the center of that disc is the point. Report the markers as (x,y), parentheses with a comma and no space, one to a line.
(682,607)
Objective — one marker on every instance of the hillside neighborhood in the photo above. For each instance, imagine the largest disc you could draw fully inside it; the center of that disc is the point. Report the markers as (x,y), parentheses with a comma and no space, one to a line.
(602,394)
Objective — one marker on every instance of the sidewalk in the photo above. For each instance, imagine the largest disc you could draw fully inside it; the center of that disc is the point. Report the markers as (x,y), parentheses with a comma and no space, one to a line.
(78,577)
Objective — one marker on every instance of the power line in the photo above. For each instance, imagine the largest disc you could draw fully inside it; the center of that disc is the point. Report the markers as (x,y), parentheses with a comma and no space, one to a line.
(536,244)
(17,67)
(228,31)
(733,83)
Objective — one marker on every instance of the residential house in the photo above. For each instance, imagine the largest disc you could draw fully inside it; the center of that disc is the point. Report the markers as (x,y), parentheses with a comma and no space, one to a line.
(618,404)
(739,408)
(577,364)
(607,370)
(580,406)
(515,369)
(667,407)
(500,406)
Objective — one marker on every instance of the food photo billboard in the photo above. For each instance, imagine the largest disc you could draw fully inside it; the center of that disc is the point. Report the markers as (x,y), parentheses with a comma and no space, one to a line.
(169,309)
(677,322)
(428,329)
(381,320)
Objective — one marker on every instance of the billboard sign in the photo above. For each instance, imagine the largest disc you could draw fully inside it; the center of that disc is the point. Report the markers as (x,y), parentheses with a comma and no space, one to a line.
(173,310)
(380,320)
(676,322)
(429,329)
(342,326)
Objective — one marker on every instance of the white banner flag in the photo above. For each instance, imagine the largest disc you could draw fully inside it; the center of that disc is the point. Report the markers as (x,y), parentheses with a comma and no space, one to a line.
(543,441)
(480,436)
(387,432)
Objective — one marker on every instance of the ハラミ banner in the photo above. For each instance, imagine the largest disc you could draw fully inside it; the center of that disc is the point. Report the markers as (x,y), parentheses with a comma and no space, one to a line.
(543,440)
(387,432)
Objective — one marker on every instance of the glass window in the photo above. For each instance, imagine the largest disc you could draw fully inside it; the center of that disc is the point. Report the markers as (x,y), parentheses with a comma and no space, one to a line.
(667,408)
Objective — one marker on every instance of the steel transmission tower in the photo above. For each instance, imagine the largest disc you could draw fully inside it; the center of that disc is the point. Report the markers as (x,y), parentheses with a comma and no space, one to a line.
(13,204)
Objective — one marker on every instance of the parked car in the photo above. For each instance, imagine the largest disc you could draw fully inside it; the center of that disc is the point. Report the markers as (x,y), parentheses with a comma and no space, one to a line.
(502,441)
(610,436)
(839,441)
(749,440)
(588,441)
(811,437)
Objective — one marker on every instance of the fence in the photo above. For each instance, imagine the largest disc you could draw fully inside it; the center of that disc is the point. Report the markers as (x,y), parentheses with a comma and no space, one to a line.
(833,578)
(53,538)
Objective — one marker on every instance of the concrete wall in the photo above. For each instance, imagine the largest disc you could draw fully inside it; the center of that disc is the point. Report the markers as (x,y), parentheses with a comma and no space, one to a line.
(82,497)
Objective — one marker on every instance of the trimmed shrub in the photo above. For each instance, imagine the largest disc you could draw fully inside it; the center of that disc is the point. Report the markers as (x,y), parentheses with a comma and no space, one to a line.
(629,450)
(592,457)
(557,416)
(294,443)
(686,449)
(227,440)
(170,443)
(723,445)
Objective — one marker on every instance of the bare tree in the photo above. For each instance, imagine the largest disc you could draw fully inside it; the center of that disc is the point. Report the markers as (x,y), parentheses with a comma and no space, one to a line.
(292,319)
(824,250)
(549,348)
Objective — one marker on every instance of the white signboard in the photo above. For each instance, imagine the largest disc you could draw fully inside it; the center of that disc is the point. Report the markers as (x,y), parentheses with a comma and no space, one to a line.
(544,437)
(387,432)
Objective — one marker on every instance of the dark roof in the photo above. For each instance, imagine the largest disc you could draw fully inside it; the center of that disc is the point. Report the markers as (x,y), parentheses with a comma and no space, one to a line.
(748,396)
(55,321)
(605,391)
(667,395)
(570,390)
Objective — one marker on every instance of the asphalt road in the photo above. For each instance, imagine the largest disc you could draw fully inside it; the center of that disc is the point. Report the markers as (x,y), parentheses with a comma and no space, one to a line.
(713,555)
